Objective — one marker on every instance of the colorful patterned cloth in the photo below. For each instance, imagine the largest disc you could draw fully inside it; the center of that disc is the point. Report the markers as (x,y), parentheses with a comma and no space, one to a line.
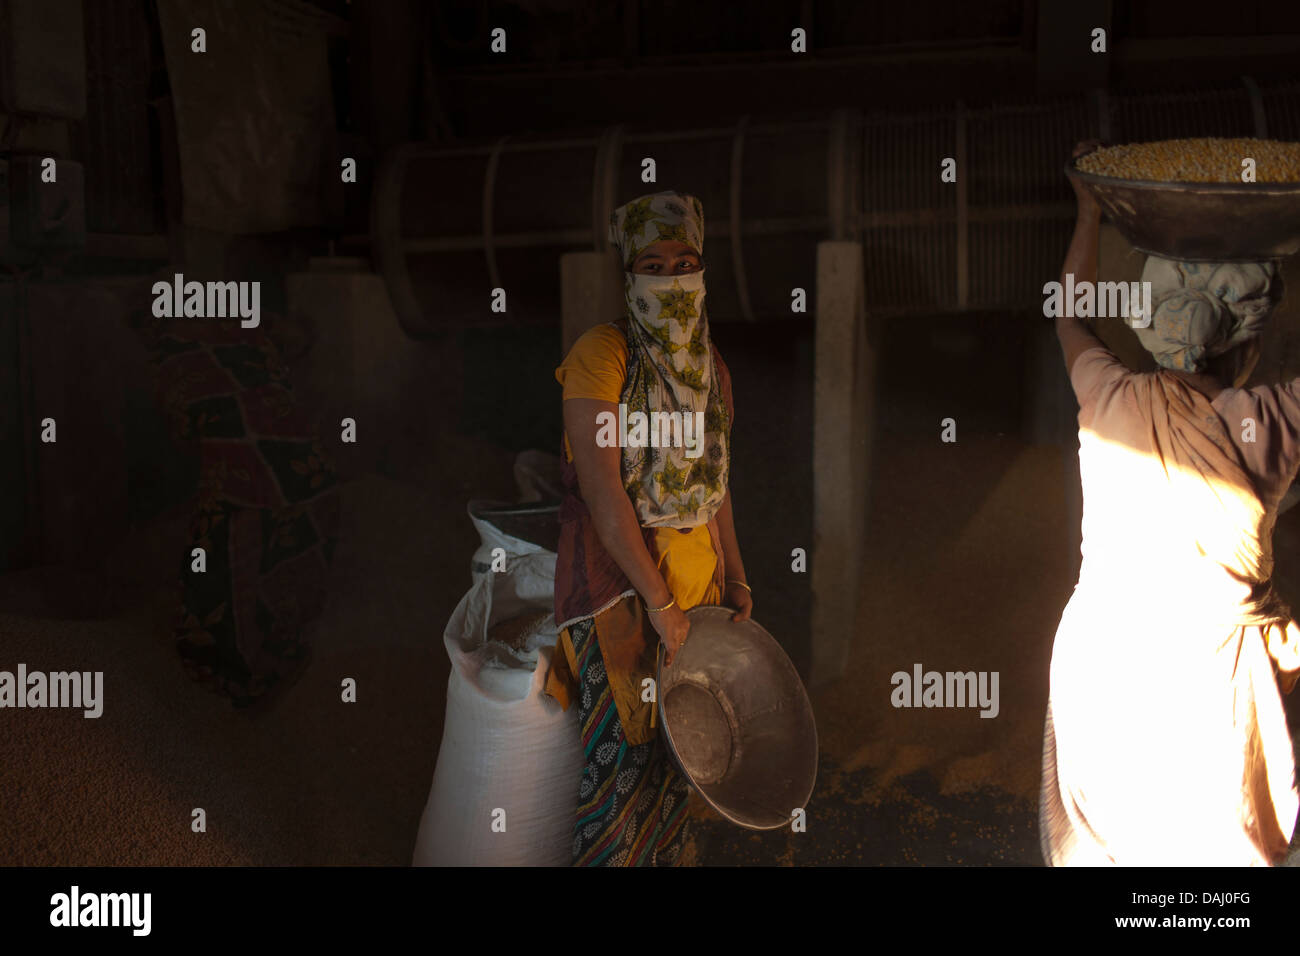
(587,579)
(670,369)
(694,571)
(267,505)
(631,800)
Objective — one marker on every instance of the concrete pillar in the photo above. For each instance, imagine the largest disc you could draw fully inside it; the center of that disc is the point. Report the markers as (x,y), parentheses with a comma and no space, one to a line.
(360,366)
(843,416)
(591,292)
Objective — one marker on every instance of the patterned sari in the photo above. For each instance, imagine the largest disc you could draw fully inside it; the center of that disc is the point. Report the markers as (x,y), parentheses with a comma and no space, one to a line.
(632,801)
(267,507)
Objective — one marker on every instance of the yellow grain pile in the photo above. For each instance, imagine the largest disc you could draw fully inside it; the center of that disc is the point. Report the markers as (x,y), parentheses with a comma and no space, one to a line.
(1204,160)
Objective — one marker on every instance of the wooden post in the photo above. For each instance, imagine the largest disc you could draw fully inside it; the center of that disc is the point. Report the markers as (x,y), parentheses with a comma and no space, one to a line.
(386,73)
(77,352)
(591,292)
(1066,63)
(843,416)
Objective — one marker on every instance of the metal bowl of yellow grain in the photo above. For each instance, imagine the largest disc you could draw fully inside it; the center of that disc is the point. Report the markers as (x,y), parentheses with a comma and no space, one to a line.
(1192,204)
(738,721)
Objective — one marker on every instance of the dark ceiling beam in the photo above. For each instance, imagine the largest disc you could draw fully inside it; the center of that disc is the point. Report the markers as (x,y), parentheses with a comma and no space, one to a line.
(487,101)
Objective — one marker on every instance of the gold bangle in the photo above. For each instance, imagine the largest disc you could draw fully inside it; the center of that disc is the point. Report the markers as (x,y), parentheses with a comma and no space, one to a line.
(741,583)
(656,610)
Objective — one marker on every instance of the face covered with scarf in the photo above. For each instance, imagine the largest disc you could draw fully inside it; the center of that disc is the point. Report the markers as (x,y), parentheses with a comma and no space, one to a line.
(1209,313)
(671,378)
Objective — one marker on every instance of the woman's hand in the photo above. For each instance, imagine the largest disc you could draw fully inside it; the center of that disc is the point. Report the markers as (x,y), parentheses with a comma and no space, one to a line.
(1087,202)
(672,625)
(738,596)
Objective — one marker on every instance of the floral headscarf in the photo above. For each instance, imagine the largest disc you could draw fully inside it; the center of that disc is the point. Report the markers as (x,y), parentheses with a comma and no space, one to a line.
(670,371)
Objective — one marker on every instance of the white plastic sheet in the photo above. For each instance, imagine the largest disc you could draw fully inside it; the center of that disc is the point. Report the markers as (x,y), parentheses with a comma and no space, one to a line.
(510,756)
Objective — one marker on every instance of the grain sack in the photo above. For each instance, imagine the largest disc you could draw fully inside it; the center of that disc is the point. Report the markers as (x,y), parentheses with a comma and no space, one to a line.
(490,538)
(505,789)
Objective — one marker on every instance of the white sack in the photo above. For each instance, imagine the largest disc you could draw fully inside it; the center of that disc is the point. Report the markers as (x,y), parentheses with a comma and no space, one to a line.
(505,744)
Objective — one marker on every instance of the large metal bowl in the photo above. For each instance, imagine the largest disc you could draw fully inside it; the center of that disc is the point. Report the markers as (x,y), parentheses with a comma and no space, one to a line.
(1200,222)
(738,721)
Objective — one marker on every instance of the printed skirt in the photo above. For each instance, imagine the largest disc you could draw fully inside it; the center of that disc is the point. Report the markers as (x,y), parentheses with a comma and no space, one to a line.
(632,799)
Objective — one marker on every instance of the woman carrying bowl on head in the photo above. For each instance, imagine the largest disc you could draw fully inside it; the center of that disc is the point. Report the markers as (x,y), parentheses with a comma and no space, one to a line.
(646,532)
(1165,740)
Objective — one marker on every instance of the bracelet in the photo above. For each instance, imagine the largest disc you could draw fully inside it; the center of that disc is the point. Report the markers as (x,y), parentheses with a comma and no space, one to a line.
(656,610)
(741,583)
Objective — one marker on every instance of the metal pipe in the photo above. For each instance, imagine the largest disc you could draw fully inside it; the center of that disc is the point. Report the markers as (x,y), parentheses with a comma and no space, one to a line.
(1102,101)
(963,211)
(843,158)
(489,191)
(544,238)
(604,183)
(737,253)
(433,151)
(1256,107)
(387,248)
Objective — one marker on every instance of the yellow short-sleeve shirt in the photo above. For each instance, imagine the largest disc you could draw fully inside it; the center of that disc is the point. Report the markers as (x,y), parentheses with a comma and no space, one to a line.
(689,559)
(596,367)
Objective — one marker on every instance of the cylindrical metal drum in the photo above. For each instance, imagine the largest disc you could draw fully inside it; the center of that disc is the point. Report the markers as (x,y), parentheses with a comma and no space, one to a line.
(958,208)
(450,224)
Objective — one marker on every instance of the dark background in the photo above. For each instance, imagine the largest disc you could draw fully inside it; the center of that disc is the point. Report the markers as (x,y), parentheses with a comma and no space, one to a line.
(376,294)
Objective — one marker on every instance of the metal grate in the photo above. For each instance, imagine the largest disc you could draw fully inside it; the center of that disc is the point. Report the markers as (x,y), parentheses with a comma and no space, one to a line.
(909,217)
(1282,112)
(1142,117)
(1020,209)
(930,246)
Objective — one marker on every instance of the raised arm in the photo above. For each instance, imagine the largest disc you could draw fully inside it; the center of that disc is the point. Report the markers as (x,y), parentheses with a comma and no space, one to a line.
(615,520)
(1080,261)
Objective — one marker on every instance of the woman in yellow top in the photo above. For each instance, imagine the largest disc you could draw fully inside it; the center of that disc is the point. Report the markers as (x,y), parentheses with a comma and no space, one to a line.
(646,526)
